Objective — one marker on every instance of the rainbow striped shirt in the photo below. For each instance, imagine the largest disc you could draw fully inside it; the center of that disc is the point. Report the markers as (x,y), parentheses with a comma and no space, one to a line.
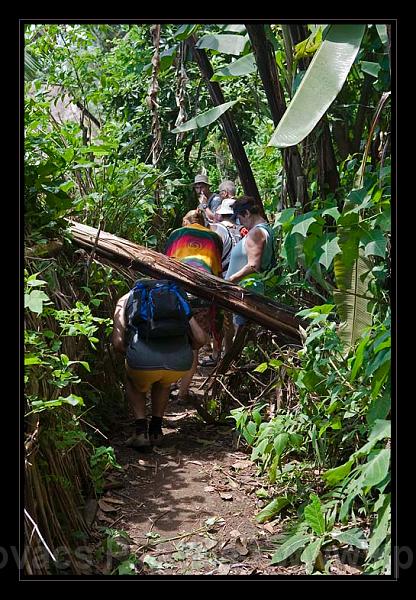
(196,246)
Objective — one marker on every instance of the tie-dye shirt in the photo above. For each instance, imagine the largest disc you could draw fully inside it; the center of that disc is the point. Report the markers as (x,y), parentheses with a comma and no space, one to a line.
(196,246)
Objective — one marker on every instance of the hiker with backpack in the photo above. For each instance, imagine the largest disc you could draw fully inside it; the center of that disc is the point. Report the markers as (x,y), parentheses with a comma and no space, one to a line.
(155,330)
(197,246)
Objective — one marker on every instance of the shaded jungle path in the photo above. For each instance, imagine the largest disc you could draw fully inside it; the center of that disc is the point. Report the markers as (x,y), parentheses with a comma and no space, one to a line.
(188,506)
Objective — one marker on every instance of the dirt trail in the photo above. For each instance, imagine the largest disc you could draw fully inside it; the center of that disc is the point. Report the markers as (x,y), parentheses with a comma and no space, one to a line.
(188,506)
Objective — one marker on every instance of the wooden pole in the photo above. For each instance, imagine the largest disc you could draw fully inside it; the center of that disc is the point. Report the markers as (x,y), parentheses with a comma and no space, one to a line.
(255,307)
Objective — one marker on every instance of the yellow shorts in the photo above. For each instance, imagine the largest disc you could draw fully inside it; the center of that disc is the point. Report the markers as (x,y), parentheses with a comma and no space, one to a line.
(143,380)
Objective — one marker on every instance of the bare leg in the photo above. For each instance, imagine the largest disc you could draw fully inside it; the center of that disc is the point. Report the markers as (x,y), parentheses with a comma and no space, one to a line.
(160,398)
(136,399)
(186,380)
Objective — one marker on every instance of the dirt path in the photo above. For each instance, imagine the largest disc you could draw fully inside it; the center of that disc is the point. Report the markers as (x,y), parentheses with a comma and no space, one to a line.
(188,506)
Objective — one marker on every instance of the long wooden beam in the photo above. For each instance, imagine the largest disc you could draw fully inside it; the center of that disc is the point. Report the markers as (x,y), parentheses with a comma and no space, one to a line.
(257,308)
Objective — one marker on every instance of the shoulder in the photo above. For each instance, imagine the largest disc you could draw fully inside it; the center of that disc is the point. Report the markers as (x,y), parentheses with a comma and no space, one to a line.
(257,234)
(122,301)
(262,229)
(214,199)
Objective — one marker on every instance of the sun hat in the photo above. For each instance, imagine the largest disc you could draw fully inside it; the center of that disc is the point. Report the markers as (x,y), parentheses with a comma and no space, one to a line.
(201,179)
(226,207)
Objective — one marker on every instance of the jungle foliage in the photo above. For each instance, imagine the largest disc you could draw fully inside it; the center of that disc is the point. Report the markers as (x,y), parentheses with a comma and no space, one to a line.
(117,123)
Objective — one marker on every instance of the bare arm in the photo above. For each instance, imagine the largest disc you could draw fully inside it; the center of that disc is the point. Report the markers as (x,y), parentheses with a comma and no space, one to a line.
(255,243)
(119,325)
(209,214)
(199,337)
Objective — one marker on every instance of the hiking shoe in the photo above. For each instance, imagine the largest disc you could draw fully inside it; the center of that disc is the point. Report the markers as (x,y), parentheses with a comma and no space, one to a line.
(208,361)
(156,437)
(138,440)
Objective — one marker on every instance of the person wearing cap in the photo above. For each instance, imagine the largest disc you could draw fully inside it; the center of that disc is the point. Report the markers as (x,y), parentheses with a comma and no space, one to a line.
(207,201)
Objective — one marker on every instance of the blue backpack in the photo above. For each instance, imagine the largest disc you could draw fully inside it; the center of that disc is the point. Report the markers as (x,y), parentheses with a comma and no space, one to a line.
(158,309)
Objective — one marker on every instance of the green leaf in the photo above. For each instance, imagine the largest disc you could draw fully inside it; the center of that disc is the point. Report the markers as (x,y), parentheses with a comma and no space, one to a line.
(242,66)
(261,367)
(167,57)
(381,430)
(290,547)
(184,31)
(205,118)
(380,532)
(376,469)
(359,357)
(262,493)
(127,567)
(329,249)
(33,360)
(249,432)
(101,150)
(333,476)
(68,154)
(374,243)
(285,216)
(352,296)
(380,376)
(301,224)
(352,537)
(382,32)
(72,400)
(34,301)
(272,509)
(280,443)
(321,84)
(226,43)
(314,515)
(310,554)
(371,68)
(379,408)
(32,66)
(68,185)
(332,212)
(259,449)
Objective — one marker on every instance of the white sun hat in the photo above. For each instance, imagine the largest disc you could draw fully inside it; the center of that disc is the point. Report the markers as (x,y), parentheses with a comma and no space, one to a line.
(226,207)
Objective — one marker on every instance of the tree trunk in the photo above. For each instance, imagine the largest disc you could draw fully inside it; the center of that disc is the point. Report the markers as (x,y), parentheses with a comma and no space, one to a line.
(236,147)
(362,113)
(328,177)
(266,63)
(257,308)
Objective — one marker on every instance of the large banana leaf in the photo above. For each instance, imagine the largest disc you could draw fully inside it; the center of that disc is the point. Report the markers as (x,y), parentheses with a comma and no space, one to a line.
(205,118)
(321,84)
(352,296)
(226,43)
(33,67)
(237,68)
